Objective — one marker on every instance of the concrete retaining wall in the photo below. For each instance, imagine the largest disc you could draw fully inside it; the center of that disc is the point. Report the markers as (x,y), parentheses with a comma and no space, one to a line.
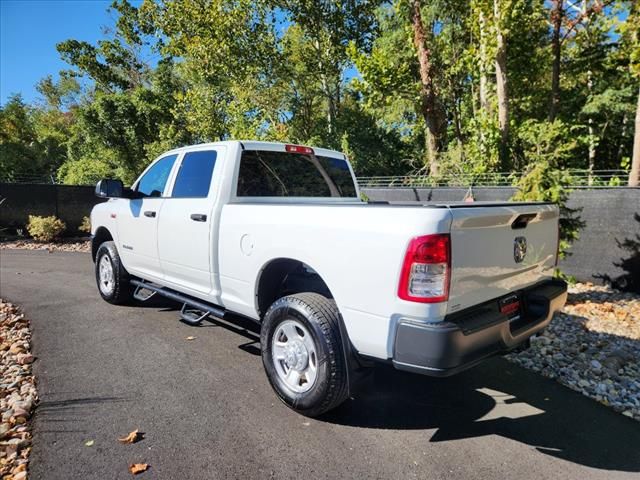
(608,250)
(67,202)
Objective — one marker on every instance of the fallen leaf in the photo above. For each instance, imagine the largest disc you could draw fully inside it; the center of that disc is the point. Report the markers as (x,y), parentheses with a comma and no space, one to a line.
(191,338)
(88,443)
(133,437)
(136,468)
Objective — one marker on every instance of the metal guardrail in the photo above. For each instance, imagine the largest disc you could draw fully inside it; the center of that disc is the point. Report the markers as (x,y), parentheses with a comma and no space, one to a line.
(28,178)
(462,180)
(579,179)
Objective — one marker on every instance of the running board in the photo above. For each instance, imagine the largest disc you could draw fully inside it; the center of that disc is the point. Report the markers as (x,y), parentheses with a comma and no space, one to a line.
(193,316)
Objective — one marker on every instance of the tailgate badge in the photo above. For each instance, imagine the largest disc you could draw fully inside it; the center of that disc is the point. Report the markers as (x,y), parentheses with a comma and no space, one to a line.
(519,249)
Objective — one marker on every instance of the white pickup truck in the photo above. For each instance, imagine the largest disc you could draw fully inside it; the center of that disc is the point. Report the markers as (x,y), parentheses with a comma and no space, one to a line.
(279,234)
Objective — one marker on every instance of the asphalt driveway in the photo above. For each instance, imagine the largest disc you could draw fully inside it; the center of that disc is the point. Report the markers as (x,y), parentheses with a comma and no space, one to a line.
(208,412)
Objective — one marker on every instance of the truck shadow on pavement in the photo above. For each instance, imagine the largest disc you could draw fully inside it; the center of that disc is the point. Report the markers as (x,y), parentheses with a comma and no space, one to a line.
(497,398)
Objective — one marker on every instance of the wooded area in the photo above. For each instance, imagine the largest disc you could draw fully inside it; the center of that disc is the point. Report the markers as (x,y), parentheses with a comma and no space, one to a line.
(437,87)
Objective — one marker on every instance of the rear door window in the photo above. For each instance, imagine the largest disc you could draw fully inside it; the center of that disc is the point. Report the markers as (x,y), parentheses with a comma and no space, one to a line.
(194,176)
(284,174)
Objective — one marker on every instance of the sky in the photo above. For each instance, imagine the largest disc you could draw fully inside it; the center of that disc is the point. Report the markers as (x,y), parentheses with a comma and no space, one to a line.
(29,31)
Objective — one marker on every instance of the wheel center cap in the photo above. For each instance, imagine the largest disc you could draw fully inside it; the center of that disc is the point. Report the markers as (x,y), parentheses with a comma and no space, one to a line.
(296,356)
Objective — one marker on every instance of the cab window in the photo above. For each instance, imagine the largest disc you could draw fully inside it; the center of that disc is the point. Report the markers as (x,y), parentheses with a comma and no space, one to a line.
(283,174)
(194,176)
(155,179)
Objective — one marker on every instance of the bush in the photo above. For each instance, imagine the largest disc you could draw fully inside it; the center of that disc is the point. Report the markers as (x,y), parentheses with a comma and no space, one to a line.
(543,183)
(85,226)
(45,229)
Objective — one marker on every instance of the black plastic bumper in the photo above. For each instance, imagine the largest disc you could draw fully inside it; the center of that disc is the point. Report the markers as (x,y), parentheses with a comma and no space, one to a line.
(467,337)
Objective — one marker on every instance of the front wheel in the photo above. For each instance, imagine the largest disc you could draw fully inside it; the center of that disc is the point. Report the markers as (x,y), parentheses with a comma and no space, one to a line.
(111,277)
(302,353)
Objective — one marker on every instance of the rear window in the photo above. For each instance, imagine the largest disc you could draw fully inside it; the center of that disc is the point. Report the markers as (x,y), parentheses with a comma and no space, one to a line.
(283,174)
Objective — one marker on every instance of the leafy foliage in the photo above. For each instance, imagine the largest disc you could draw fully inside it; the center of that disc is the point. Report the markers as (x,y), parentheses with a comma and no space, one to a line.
(344,75)
(45,229)
(545,147)
(85,226)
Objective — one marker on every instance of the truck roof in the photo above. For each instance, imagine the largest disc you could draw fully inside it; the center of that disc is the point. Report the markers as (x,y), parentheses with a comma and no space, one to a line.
(260,145)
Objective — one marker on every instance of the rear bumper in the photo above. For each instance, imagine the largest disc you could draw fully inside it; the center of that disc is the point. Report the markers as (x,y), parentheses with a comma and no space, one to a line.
(465,338)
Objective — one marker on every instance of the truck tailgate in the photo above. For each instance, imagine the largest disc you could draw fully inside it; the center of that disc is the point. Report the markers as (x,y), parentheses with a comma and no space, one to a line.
(499,249)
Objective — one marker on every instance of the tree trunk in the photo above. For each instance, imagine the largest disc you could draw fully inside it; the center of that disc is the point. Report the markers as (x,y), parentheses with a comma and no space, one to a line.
(591,133)
(483,91)
(634,174)
(592,150)
(331,106)
(484,102)
(623,136)
(428,99)
(556,21)
(326,89)
(502,87)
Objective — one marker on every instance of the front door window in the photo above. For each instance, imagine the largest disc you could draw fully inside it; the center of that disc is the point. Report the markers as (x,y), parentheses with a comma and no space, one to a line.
(154,180)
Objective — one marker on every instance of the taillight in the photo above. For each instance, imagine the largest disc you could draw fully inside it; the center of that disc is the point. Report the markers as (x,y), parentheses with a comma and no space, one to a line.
(298,149)
(426,269)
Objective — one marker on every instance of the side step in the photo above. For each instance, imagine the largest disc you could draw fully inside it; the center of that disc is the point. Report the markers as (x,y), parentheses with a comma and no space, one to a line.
(142,293)
(194,315)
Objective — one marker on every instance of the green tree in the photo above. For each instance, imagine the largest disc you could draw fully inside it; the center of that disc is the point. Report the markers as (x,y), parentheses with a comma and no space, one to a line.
(228,56)
(441,86)
(320,34)
(129,116)
(19,151)
(546,147)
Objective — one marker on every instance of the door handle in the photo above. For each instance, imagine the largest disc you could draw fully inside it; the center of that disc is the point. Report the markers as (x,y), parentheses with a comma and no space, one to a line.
(150,213)
(198,217)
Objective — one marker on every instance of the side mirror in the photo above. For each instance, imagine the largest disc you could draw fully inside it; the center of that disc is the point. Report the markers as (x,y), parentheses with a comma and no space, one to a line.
(107,188)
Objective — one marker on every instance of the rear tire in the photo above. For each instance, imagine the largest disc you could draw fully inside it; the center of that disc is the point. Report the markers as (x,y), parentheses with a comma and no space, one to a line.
(111,277)
(302,353)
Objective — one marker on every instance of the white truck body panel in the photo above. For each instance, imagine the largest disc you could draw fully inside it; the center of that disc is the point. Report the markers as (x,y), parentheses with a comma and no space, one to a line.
(139,235)
(356,248)
(368,241)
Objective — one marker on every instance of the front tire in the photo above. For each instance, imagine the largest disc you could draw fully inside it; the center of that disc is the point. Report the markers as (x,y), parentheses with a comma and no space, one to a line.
(302,353)
(111,277)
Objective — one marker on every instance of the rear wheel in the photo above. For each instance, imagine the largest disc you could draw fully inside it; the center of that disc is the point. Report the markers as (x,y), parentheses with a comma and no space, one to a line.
(302,353)
(111,277)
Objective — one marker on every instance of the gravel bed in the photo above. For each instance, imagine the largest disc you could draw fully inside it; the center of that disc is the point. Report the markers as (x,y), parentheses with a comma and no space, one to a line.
(68,245)
(593,347)
(18,394)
